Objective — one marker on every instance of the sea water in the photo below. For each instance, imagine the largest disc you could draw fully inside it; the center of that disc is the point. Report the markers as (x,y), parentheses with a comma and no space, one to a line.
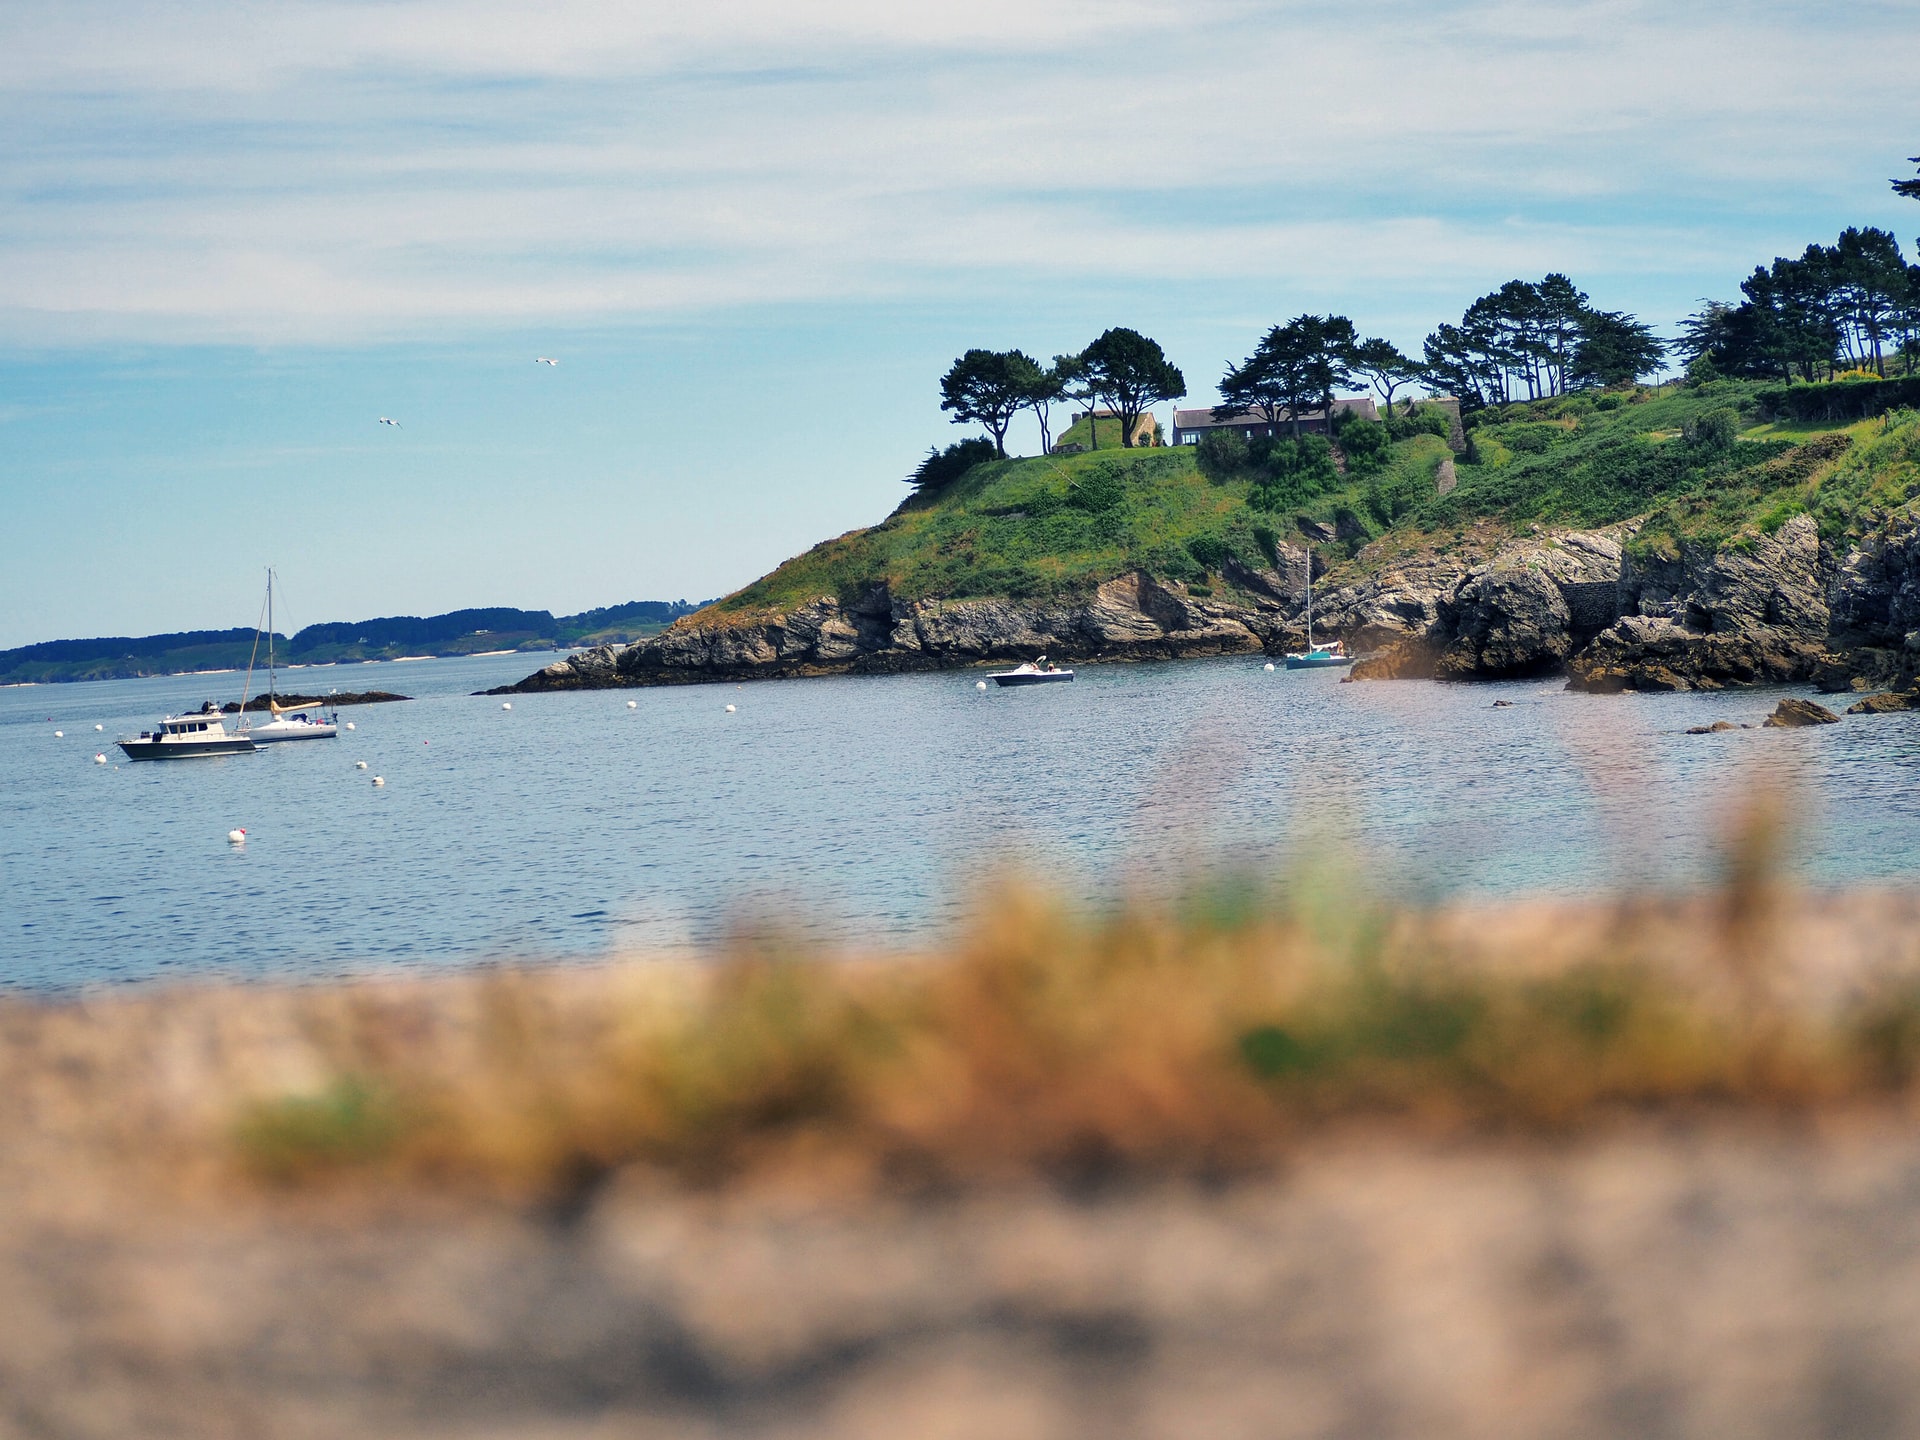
(859,810)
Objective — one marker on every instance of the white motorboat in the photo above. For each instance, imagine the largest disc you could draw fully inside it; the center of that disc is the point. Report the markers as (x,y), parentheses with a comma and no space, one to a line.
(289,722)
(187,737)
(1033,672)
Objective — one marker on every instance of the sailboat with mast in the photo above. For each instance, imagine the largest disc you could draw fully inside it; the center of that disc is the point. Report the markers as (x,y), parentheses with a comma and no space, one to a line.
(306,721)
(1316,657)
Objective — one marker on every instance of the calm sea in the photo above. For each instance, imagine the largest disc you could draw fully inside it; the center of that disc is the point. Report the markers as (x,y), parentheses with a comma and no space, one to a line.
(857,809)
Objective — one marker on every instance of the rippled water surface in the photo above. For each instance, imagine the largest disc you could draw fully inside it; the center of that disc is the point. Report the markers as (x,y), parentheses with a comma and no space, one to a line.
(571,825)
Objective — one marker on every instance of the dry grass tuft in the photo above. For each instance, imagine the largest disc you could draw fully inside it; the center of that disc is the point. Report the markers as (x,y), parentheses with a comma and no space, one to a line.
(1199,1035)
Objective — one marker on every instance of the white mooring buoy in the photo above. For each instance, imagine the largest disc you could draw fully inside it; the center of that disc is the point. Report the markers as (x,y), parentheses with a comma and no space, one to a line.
(236,837)
(99,759)
(99,727)
(61,734)
(1269,666)
(359,764)
(729,709)
(979,684)
(349,724)
(506,705)
(633,704)
(378,781)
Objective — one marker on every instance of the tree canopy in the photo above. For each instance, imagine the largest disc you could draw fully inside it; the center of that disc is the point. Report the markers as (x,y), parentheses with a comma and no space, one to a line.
(1130,373)
(989,387)
(1848,303)
(1295,368)
(1909,188)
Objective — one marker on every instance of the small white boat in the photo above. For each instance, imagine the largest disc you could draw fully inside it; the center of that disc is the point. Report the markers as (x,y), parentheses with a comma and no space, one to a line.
(1034,672)
(188,737)
(1316,657)
(289,722)
(292,722)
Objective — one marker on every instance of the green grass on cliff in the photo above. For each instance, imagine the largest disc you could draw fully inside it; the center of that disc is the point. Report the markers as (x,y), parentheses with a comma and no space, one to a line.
(1569,462)
(1693,463)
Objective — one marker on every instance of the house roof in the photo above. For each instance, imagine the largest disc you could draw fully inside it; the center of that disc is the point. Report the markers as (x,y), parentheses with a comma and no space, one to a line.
(1203,419)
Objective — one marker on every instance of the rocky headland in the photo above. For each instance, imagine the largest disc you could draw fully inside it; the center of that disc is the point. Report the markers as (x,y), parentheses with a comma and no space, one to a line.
(1607,611)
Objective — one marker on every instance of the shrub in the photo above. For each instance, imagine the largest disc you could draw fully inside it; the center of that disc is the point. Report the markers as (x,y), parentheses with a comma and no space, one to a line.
(1209,550)
(1425,420)
(1295,471)
(1099,488)
(942,467)
(1712,429)
(1221,454)
(1530,439)
(1611,400)
(1366,445)
(1268,539)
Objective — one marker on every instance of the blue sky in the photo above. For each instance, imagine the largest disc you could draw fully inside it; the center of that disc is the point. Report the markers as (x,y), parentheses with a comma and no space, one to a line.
(233,235)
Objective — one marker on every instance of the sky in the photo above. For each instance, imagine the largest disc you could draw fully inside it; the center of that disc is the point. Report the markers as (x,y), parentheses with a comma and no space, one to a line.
(755,232)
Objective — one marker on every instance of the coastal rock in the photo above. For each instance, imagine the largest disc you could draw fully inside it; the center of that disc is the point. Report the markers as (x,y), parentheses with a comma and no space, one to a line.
(1400,603)
(1659,653)
(1407,660)
(1130,617)
(1875,595)
(1794,712)
(1504,623)
(1886,703)
(1743,615)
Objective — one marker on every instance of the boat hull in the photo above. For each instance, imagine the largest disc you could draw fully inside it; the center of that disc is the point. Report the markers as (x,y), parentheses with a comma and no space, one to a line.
(1041,678)
(1317,662)
(272,735)
(186,749)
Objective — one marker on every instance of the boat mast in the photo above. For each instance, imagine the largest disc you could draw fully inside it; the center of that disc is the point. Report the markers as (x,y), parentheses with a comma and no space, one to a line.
(270,685)
(1309,600)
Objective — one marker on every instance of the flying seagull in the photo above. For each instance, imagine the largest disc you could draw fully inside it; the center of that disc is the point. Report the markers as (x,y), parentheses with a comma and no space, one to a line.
(543,360)
(385,421)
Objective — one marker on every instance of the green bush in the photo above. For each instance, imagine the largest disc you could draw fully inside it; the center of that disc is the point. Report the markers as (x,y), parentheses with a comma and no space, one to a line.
(1209,550)
(1268,539)
(1294,472)
(1425,420)
(1611,400)
(1712,429)
(1531,439)
(1366,446)
(1221,454)
(942,467)
(1100,488)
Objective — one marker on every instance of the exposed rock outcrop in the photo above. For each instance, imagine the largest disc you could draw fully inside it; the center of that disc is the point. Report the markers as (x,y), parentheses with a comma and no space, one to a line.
(1886,703)
(1523,614)
(1742,615)
(1765,608)
(1794,712)
(1133,617)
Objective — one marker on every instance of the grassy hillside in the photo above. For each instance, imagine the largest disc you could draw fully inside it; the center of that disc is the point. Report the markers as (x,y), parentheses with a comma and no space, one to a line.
(1697,463)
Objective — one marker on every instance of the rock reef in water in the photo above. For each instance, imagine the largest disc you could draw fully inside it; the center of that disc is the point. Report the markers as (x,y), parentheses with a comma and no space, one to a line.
(1784,607)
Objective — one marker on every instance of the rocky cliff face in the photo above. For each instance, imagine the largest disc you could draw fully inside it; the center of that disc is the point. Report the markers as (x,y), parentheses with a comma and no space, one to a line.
(1778,607)
(1130,618)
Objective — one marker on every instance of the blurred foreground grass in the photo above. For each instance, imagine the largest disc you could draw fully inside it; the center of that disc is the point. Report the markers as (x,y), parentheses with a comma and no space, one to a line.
(1198,1035)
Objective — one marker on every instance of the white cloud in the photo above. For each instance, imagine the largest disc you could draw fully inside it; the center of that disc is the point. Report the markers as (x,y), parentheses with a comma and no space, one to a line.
(338,171)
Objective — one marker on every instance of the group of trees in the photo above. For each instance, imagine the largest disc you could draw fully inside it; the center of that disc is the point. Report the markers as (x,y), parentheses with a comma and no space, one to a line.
(1530,340)
(1122,369)
(1848,304)
(1297,366)
(1852,303)
(1845,305)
